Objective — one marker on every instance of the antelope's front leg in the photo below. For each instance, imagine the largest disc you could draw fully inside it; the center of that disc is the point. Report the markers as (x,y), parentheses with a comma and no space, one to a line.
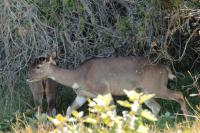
(78,102)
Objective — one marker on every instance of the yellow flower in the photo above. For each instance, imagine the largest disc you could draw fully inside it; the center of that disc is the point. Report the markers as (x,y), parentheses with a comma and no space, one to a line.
(61,118)
(58,120)
(77,114)
(143,129)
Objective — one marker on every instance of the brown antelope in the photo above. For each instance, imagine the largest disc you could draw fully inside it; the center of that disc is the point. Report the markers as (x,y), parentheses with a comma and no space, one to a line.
(111,75)
(41,87)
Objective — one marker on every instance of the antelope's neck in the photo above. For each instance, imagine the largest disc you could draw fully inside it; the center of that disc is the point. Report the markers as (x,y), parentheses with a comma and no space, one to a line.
(64,76)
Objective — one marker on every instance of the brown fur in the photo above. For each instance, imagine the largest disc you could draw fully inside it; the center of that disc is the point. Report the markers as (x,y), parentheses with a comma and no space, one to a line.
(43,87)
(100,76)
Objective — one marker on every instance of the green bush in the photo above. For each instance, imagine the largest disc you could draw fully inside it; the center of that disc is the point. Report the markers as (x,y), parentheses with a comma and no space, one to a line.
(102,116)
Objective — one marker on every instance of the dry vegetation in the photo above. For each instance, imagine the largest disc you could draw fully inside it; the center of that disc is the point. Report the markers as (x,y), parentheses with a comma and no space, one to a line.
(166,31)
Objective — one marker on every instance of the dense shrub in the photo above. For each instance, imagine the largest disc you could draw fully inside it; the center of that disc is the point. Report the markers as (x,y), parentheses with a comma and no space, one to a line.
(166,31)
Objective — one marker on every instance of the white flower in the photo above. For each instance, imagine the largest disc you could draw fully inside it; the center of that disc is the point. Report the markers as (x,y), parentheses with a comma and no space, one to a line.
(56,122)
(142,129)
(124,113)
(65,130)
(132,122)
(135,106)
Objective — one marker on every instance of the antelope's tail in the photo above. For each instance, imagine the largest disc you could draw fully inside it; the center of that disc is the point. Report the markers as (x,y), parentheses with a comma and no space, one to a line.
(171,76)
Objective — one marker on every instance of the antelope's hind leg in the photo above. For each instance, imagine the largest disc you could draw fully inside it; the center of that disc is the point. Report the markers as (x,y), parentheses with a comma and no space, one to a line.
(81,98)
(154,106)
(78,102)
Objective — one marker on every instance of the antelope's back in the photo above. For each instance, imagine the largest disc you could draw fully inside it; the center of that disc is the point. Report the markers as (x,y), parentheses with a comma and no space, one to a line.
(121,66)
(115,74)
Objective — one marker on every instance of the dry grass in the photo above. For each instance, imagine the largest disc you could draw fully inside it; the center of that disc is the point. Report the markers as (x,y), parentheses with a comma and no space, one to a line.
(186,128)
(101,119)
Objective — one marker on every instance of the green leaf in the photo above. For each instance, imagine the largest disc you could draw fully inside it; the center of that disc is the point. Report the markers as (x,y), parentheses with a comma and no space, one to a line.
(145,98)
(90,120)
(103,100)
(124,103)
(133,95)
(69,3)
(148,115)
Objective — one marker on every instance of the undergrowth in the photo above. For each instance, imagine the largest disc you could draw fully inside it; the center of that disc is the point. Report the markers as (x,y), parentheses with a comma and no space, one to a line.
(21,104)
(102,117)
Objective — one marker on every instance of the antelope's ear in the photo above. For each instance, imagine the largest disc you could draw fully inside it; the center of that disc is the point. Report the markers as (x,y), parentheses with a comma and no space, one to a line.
(51,60)
(52,57)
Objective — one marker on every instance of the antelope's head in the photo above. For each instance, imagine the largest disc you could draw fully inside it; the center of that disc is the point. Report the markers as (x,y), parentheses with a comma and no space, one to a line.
(40,69)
